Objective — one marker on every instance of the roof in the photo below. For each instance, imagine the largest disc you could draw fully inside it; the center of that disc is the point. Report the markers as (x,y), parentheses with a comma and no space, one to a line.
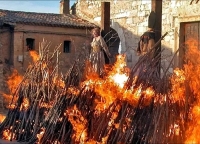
(48,19)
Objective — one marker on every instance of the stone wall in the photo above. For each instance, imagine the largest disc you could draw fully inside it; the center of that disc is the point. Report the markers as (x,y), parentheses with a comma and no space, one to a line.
(55,35)
(13,45)
(5,46)
(130,20)
(175,13)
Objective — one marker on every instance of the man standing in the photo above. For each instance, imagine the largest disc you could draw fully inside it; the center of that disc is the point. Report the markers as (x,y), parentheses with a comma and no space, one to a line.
(147,40)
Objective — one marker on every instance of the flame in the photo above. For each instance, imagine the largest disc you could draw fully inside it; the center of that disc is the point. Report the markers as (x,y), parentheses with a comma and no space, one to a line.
(192,70)
(112,87)
(7,134)
(40,135)
(34,55)
(2,117)
(9,100)
(120,72)
(178,85)
(79,124)
(25,104)
(47,105)
(59,82)
(14,80)
(73,90)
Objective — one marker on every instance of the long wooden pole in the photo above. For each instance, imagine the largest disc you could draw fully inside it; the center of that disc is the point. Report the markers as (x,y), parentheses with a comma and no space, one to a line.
(156,6)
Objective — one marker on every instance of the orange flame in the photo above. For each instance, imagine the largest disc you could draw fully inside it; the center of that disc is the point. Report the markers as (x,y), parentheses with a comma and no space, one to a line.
(34,55)
(112,87)
(79,124)
(13,81)
(2,117)
(192,70)
(73,90)
(7,134)
(59,82)
(178,88)
(40,135)
(25,104)
(120,72)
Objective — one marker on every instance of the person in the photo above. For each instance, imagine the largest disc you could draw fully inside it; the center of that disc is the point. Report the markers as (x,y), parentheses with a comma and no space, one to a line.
(145,45)
(98,47)
(147,40)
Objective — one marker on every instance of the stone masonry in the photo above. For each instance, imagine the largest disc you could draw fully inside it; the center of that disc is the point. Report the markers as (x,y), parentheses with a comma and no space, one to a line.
(130,20)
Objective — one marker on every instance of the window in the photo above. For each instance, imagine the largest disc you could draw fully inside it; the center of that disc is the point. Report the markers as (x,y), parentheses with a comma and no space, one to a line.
(66,48)
(30,44)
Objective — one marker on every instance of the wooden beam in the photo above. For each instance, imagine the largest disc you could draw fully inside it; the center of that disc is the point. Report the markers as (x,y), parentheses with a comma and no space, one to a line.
(105,24)
(105,17)
(156,6)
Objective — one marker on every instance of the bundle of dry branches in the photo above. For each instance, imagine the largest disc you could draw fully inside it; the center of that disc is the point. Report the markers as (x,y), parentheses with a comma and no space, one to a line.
(65,112)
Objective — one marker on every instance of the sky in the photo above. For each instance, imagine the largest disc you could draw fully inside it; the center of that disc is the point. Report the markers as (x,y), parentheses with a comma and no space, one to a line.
(43,6)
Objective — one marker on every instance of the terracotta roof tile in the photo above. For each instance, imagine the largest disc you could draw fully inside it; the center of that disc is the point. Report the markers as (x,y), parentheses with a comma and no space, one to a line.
(49,19)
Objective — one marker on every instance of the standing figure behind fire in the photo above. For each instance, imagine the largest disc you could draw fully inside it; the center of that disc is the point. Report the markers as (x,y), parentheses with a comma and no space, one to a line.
(145,45)
(98,47)
(147,41)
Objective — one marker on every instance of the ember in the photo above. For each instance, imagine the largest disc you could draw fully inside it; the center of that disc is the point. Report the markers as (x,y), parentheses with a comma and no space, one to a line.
(74,108)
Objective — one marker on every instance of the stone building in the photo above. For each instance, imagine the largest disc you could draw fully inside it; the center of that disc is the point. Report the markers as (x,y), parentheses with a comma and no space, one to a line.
(21,32)
(180,19)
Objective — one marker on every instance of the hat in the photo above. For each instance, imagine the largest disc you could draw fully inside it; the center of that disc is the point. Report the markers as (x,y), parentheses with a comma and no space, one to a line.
(152,20)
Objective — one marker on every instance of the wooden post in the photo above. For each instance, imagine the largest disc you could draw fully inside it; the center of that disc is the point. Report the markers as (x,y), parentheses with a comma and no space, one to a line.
(105,17)
(105,24)
(156,6)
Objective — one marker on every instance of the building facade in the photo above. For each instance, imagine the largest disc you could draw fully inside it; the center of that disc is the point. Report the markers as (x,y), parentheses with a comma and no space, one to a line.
(23,31)
(130,20)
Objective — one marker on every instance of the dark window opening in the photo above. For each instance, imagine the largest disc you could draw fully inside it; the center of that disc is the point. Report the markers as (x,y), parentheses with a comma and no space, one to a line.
(66,46)
(30,44)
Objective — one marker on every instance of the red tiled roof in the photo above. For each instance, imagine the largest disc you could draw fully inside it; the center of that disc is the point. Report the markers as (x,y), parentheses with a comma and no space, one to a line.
(48,19)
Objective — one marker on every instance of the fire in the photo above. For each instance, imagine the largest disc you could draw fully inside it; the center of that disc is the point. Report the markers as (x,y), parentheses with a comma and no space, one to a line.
(46,105)
(178,85)
(40,135)
(2,117)
(192,70)
(10,100)
(73,90)
(25,104)
(112,87)
(34,55)
(79,124)
(59,82)
(14,80)
(7,135)
(120,72)
(120,105)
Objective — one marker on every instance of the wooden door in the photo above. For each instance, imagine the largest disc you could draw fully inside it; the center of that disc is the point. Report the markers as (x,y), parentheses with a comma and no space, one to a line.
(188,31)
(192,33)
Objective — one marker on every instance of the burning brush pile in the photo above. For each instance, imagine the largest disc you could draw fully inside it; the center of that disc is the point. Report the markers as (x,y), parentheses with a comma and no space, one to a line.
(50,108)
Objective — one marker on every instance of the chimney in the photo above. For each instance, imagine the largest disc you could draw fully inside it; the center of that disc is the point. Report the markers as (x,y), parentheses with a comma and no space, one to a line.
(64,6)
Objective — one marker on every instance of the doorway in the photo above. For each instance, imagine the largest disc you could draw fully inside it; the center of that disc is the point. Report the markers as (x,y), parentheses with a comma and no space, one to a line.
(188,31)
